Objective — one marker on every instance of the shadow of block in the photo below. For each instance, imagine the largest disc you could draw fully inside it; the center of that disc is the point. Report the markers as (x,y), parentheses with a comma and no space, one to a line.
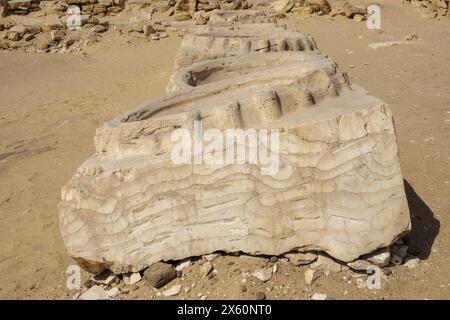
(424,227)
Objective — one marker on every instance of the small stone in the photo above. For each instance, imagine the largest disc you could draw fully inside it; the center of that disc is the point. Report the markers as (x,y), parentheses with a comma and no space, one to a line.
(243,288)
(203,297)
(273,259)
(172,291)
(325,263)
(163,35)
(155,37)
(159,274)
(94,293)
(412,263)
(114,292)
(319,296)
(310,276)
(380,257)
(182,264)
(132,278)
(263,275)
(206,268)
(260,296)
(148,29)
(360,265)
(298,259)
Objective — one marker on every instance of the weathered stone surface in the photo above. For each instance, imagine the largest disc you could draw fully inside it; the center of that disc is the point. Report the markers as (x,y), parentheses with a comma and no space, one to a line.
(339,187)
(210,43)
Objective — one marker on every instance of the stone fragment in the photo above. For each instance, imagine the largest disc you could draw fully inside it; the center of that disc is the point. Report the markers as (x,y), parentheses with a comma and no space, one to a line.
(173,291)
(159,274)
(200,20)
(350,10)
(105,278)
(260,296)
(148,30)
(380,257)
(319,296)
(182,264)
(310,276)
(94,293)
(325,263)
(182,16)
(360,265)
(132,278)
(301,258)
(282,6)
(206,268)
(263,274)
(412,263)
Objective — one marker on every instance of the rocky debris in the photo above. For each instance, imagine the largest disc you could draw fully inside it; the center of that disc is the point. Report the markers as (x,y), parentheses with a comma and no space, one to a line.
(412,263)
(131,278)
(97,292)
(319,7)
(263,274)
(182,264)
(380,257)
(434,8)
(299,258)
(360,265)
(159,274)
(319,296)
(310,276)
(206,268)
(325,263)
(173,291)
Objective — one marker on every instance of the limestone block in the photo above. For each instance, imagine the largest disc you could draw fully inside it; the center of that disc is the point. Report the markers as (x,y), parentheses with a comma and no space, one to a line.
(338,187)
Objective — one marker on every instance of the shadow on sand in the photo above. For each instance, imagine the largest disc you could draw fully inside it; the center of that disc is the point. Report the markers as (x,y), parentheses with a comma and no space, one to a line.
(424,227)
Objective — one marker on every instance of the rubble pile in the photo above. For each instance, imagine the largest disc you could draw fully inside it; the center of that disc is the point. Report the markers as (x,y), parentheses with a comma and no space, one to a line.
(435,8)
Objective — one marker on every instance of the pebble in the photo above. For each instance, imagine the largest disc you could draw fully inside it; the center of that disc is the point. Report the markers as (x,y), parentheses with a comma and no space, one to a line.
(172,291)
(211,257)
(263,275)
(243,288)
(132,278)
(319,296)
(412,263)
(325,263)
(380,257)
(260,296)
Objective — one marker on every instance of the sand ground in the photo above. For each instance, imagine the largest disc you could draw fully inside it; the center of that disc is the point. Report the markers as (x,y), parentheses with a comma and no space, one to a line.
(51,104)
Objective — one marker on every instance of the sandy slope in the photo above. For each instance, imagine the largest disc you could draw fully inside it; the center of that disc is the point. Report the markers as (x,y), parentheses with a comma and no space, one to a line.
(50,106)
